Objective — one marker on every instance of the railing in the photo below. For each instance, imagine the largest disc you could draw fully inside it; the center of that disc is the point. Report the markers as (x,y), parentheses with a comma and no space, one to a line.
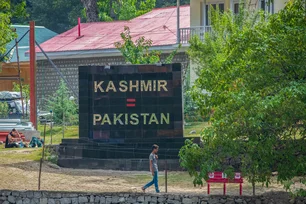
(187,33)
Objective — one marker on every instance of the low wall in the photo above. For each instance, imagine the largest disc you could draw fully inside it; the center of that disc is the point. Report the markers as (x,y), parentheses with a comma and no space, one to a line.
(45,197)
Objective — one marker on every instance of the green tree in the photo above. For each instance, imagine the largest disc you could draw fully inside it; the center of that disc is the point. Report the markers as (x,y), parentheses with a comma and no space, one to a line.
(8,10)
(58,16)
(253,67)
(4,110)
(128,9)
(138,52)
(166,3)
(109,10)
(64,109)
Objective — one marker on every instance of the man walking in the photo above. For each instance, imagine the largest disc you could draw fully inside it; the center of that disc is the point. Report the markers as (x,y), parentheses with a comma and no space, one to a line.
(154,169)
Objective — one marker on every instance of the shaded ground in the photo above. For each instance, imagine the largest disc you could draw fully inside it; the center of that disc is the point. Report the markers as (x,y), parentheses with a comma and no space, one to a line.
(19,171)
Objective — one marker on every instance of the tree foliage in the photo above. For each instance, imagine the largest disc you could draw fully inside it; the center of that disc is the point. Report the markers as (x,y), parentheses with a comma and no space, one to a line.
(58,16)
(254,68)
(9,9)
(64,110)
(4,110)
(138,52)
(61,15)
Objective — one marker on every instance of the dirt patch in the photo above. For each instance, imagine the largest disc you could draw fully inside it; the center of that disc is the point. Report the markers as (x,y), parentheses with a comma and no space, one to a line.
(22,174)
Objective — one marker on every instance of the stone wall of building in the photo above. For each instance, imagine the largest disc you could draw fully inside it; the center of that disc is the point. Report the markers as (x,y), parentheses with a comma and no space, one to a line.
(45,197)
(48,79)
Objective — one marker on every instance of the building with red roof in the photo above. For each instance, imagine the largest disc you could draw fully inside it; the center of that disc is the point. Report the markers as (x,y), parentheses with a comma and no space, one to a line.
(159,25)
(95,46)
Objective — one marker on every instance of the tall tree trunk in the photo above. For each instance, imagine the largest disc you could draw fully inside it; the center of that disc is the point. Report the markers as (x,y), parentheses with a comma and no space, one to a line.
(111,10)
(253,186)
(91,10)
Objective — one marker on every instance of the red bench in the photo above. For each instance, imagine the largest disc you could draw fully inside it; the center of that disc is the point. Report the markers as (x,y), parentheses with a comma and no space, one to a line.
(220,177)
(3,135)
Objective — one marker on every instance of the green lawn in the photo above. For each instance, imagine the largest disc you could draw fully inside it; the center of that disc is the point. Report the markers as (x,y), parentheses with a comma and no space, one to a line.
(73,131)
(197,126)
(32,154)
(57,133)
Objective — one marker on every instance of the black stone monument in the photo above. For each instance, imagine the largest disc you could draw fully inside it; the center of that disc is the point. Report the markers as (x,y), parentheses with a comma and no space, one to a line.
(123,111)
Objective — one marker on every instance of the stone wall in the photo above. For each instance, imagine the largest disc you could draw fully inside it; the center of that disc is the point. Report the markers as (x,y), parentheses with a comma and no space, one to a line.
(44,197)
(48,79)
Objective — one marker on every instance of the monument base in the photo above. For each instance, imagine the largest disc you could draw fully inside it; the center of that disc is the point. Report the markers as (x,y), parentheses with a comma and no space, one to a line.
(132,155)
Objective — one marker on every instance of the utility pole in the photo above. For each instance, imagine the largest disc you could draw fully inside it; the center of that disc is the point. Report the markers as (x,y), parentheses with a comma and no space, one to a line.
(19,80)
(178,34)
(33,109)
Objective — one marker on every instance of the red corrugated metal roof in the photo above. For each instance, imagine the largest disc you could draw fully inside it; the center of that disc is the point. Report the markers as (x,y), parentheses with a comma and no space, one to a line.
(159,25)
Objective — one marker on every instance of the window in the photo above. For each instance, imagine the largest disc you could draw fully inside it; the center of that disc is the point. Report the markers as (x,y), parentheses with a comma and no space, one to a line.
(267,6)
(207,10)
(236,8)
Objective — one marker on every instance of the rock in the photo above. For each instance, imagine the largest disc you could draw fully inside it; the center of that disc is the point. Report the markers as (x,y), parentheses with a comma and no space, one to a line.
(121,200)
(102,200)
(173,202)
(3,198)
(187,201)
(57,201)
(35,201)
(214,201)
(239,200)
(153,199)
(171,197)
(70,195)
(51,201)
(258,201)
(54,166)
(6,193)
(97,199)
(11,199)
(5,202)
(108,200)
(161,199)
(27,201)
(115,199)
(65,200)
(192,132)
(131,200)
(37,194)
(15,193)
(30,194)
(43,201)
(19,201)
(140,199)
(83,199)
(195,200)
(177,197)
(204,202)
(148,199)
(222,200)
(75,200)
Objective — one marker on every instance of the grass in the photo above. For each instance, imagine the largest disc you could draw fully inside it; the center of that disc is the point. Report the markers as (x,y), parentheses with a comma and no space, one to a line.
(71,132)
(31,154)
(197,126)
(181,179)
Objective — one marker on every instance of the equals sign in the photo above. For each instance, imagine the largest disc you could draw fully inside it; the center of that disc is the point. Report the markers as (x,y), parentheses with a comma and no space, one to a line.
(130,102)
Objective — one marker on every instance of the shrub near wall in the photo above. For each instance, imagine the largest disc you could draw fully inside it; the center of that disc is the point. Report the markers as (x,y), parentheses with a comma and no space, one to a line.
(48,197)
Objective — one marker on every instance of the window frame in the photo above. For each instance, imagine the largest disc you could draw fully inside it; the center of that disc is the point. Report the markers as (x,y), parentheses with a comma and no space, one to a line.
(206,6)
